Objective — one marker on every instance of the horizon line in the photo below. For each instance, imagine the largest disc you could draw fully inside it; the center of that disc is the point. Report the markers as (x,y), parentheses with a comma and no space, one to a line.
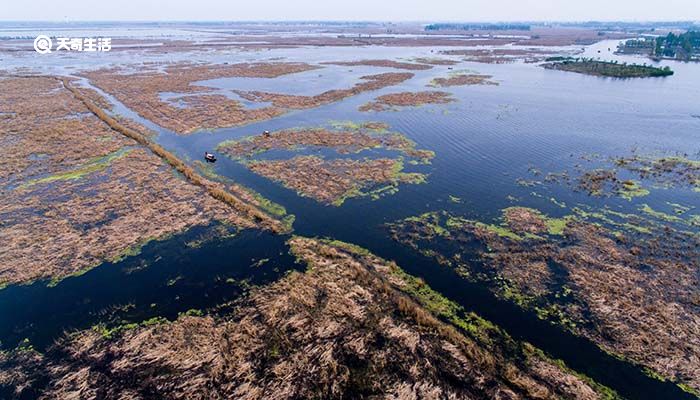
(543,21)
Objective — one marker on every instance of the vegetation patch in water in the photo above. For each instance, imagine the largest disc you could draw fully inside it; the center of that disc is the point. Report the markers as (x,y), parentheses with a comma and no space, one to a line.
(607,68)
(628,177)
(462,79)
(345,138)
(95,165)
(391,101)
(352,323)
(332,181)
(382,63)
(140,91)
(107,190)
(618,279)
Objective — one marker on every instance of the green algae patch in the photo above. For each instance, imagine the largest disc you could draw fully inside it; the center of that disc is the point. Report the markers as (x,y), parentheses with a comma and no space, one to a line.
(267,205)
(560,268)
(111,332)
(631,189)
(646,209)
(499,230)
(475,326)
(455,199)
(556,226)
(431,222)
(603,391)
(207,170)
(94,165)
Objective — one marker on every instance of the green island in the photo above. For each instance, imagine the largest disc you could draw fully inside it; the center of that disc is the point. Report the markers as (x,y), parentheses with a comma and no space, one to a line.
(614,69)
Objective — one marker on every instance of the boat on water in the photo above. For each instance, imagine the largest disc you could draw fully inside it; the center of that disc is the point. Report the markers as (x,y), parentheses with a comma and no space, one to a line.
(210,157)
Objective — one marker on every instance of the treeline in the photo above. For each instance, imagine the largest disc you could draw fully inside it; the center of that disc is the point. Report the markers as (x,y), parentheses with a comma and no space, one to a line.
(615,69)
(477,27)
(683,46)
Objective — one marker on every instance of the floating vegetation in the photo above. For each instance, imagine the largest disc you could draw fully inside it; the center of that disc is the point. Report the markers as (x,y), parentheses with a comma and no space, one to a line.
(349,139)
(434,61)
(333,181)
(626,177)
(105,180)
(407,99)
(660,215)
(382,63)
(140,91)
(294,102)
(617,279)
(352,323)
(501,56)
(673,171)
(601,182)
(462,79)
(91,166)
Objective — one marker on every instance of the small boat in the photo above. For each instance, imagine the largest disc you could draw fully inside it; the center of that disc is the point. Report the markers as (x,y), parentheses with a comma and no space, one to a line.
(209,157)
(266,133)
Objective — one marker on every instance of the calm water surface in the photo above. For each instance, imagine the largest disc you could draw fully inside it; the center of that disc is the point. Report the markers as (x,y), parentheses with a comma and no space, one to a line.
(483,143)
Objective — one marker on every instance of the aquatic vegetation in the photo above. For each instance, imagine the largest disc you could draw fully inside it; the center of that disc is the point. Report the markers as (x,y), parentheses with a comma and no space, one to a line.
(352,324)
(85,201)
(382,63)
(660,215)
(376,126)
(334,181)
(218,232)
(131,124)
(407,99)
(628,177)
(434,61)
(620,288)
(140,91)
(349,139)
(232,197)
(601,182)
(501,56)
(606,68)
(670,171)
(91,166)
(632,189)
(462,79)
(295,102)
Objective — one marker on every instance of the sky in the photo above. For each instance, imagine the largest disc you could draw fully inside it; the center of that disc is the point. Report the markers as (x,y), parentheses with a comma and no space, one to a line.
(364,10)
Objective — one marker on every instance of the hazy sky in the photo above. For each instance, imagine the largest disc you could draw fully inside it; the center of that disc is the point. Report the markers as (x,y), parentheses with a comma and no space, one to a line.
(383,10)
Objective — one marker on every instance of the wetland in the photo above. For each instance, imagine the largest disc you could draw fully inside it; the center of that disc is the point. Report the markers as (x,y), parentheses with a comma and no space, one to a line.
(397,216)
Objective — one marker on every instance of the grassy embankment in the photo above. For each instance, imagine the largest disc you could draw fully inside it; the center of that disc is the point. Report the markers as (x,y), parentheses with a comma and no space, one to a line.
(212,188)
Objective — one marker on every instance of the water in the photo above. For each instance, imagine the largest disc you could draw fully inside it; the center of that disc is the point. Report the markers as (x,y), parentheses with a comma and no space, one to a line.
(167,278)
(483,143)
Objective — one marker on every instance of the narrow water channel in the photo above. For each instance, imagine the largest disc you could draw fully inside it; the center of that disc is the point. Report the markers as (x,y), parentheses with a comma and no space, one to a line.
(477,159)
